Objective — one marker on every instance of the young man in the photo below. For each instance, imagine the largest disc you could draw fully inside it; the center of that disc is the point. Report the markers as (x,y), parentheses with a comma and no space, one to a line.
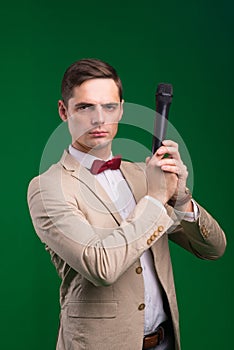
(107,224)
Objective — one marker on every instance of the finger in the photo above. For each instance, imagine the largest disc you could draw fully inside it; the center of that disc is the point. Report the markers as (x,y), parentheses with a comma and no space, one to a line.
(173,162)
(179,169)
(168,161)
(173,152)
(162,150)
(170,143)
(172,147)
(171,169)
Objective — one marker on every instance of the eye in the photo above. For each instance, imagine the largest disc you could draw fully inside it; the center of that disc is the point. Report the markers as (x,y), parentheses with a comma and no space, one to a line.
(84,108)
(110,107)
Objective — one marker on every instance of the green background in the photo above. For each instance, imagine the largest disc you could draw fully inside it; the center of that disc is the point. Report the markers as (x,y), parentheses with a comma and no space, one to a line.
(189,44)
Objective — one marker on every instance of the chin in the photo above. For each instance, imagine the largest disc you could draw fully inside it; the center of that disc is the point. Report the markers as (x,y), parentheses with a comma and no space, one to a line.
(101,145)
(88,145)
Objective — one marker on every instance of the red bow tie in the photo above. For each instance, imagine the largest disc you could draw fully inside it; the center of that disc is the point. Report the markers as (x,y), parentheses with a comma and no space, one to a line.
(99,166)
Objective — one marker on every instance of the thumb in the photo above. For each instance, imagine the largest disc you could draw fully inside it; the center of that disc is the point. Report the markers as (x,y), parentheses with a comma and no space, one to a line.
(147,160)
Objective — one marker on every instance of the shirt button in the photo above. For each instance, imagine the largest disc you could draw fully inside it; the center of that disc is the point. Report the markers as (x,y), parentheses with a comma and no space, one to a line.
(160,228)
(149,241)
(139,269)
(141,307)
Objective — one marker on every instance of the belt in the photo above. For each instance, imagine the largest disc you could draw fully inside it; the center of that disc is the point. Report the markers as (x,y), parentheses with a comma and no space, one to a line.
(154,339)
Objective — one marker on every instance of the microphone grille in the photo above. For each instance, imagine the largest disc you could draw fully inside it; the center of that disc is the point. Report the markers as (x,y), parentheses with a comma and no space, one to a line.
(164,90)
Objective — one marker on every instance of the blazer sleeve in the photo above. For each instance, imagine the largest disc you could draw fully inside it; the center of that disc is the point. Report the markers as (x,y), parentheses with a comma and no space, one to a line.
(203,238)
(62,226)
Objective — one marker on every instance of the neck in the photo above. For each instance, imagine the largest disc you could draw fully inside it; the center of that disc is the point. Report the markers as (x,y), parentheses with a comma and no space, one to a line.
(102,152)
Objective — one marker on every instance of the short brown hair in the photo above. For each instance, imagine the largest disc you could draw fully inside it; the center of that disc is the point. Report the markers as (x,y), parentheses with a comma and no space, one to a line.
(87,69)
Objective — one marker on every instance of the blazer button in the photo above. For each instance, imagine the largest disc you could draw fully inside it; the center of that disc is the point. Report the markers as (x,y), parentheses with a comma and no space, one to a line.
(149,241)
(204,231)
(160,228)
(139,270)
(141,307)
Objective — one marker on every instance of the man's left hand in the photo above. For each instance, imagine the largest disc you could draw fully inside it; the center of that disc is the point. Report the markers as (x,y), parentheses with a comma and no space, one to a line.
(172,162)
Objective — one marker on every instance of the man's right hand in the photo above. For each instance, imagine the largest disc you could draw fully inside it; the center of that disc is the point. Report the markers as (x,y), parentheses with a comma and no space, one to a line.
(161,184)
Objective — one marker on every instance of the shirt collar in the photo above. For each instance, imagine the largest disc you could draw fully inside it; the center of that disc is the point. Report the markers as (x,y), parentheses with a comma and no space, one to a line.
(84,159)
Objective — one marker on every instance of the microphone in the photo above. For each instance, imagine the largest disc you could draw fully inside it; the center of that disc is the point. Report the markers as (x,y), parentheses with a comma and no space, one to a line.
(164,96)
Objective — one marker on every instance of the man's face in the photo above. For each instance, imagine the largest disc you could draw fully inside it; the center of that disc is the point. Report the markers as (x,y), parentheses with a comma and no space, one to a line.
(93,114)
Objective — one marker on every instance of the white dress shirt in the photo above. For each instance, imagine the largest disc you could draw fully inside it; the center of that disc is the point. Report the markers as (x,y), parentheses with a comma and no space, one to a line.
(118,190)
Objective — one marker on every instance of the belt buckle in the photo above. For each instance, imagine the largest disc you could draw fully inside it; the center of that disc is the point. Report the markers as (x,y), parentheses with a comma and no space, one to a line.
(149,340)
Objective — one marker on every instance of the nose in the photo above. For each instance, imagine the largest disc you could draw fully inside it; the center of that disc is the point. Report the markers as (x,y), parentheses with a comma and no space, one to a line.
(98,117)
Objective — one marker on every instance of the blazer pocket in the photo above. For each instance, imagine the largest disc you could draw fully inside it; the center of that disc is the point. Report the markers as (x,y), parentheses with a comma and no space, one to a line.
(84,309)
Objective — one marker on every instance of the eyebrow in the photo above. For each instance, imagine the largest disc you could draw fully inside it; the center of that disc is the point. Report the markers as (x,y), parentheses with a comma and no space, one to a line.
(83,104)
(80,104)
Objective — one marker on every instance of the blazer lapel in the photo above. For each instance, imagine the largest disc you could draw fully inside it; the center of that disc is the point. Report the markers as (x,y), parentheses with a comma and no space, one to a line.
(84,176)
(135,176)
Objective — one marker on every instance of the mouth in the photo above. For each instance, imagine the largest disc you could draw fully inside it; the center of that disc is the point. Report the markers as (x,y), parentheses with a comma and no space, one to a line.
(98,133)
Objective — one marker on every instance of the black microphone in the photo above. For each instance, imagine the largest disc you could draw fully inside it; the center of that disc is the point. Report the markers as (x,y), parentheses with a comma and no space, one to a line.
(164,96)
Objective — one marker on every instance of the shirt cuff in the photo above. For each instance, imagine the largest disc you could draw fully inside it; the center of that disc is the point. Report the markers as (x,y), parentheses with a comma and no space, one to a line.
(188,216)
(155,201)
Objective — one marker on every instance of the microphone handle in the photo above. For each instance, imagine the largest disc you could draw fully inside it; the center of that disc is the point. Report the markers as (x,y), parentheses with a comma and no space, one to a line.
(160,125)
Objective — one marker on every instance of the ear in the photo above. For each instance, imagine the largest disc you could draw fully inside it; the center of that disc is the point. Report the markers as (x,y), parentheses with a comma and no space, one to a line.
(62,110)
(121,112)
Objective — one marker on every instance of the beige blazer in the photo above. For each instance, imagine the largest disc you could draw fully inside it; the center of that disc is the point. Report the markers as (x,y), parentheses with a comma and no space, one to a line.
(96,254)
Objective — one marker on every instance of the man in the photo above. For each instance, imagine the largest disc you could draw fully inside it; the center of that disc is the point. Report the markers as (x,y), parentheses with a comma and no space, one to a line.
(107,228)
